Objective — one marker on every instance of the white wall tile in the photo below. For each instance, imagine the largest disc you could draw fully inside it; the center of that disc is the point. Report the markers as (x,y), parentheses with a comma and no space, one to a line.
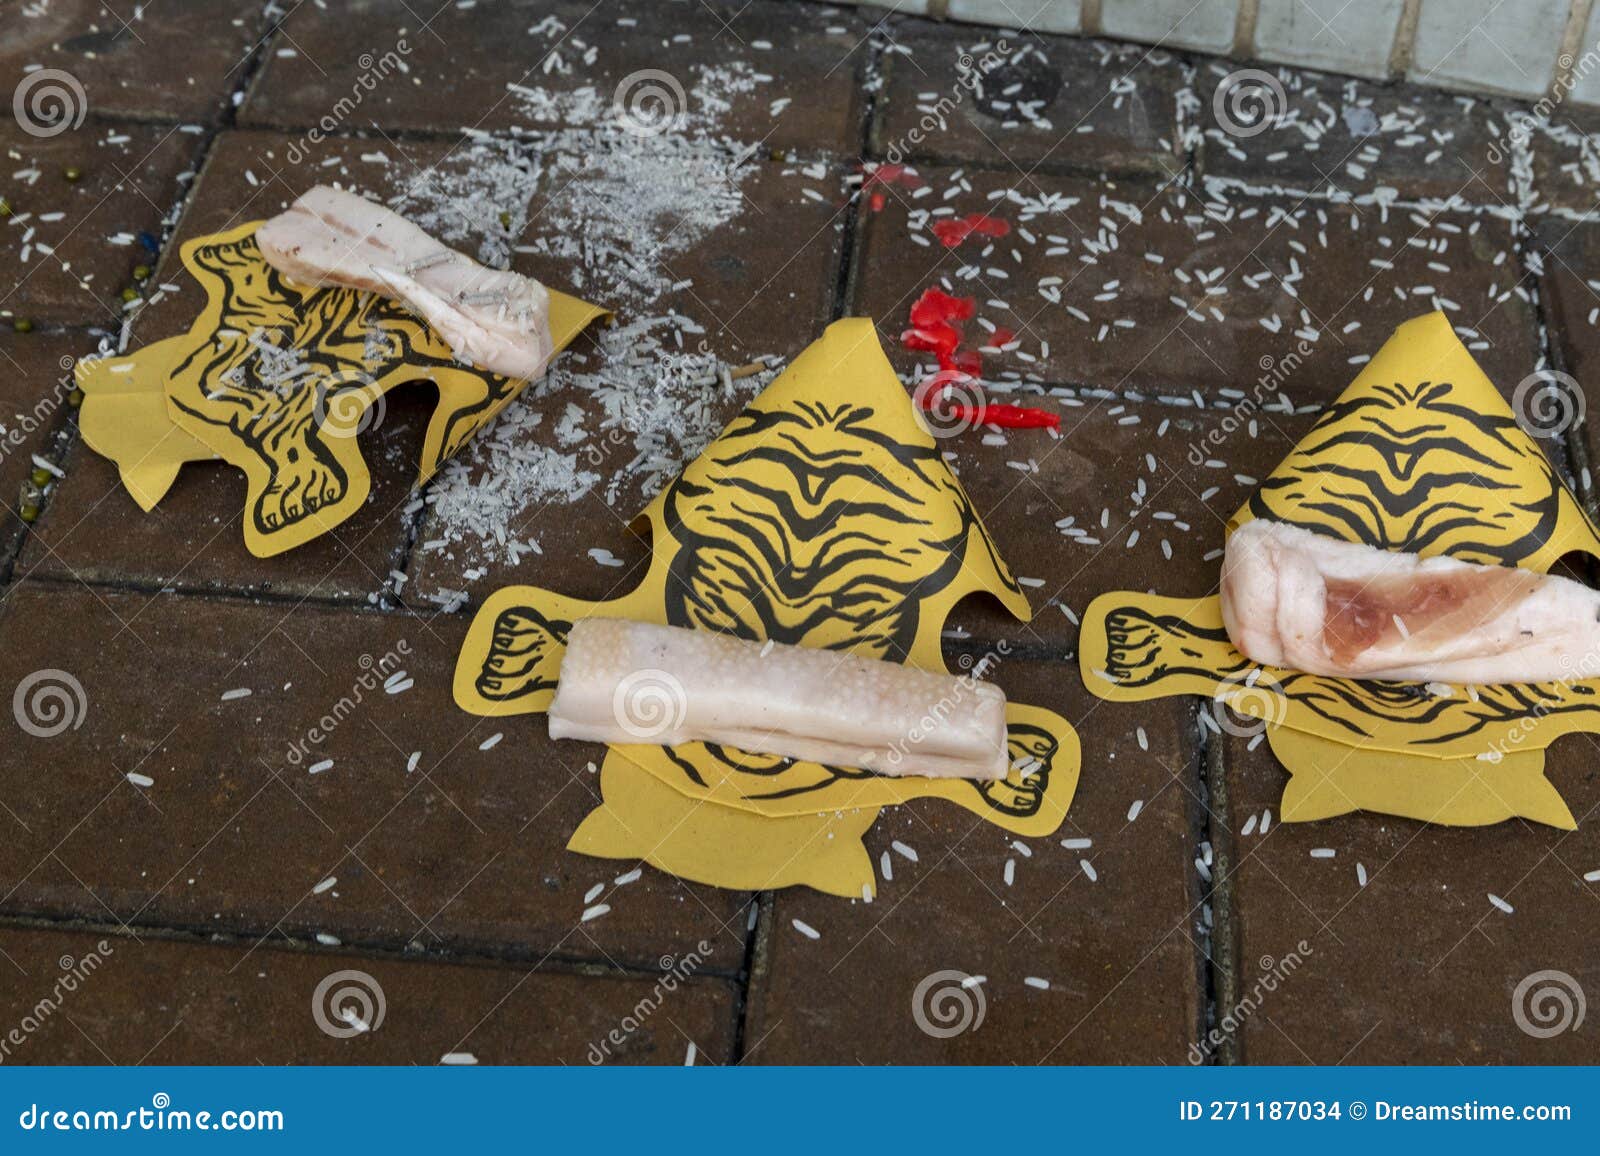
(1203,24)
(1586,72)
(1504,46)
(1500,45)
(1353,36)
(904,7)
(1034,15)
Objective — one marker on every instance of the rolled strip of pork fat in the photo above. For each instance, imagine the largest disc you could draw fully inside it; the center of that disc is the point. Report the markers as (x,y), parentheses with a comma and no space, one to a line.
(635,682)
(1308,602)
(491,318)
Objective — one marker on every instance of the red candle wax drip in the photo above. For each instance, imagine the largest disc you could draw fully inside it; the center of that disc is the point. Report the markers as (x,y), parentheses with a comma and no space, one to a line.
(887,175)
(954,230)
(1013,417)
(932,331)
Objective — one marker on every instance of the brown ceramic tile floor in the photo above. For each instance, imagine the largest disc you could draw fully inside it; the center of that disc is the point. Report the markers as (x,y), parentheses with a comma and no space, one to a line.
(1157,274)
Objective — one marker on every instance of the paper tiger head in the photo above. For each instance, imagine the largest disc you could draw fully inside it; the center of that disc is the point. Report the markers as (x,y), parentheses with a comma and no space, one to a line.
(809,524)
(1409,467)
(273,360)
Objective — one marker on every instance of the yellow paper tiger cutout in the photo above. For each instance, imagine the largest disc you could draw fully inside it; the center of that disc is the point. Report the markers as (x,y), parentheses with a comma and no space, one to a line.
(1419,454)
(823,516)
(279,380)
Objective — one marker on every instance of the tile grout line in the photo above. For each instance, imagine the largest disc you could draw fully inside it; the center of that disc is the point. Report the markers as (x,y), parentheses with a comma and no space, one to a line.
(66,437)
(176,932)
(277,596)
(1246,19)
(1221,966)
(1402,49)
(869,82)
(55,447)
(1214,961)
(850,247)
(1562,76)
(757,948)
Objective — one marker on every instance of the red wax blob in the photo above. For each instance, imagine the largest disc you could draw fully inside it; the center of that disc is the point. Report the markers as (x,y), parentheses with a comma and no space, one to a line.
(887,175)
(932,332)
(954,230)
